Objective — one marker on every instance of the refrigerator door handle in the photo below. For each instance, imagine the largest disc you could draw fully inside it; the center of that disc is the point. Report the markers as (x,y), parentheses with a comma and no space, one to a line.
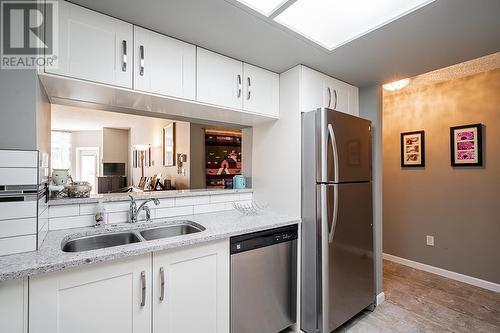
(331,232)
(324,317)
(335,153)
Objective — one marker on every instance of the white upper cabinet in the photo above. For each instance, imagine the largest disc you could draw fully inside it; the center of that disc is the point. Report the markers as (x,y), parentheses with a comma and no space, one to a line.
(163,65)
(219,80)
(191,289)
(261,91)
(93,46)
(319,90)
(101,298)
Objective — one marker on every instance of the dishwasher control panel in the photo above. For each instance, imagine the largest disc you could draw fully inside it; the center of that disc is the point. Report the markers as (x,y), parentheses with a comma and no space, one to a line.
(263,238)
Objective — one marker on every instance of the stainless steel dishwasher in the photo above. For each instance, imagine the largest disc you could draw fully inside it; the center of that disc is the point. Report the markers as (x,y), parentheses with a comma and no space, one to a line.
(263,281)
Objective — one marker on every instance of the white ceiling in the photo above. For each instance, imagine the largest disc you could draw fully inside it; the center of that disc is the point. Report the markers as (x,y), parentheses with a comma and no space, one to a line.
(440,34)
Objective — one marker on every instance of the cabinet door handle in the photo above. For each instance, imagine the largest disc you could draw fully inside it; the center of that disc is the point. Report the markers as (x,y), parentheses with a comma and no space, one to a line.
(329,97)
(238,77)
(162,284)
(143,288)
(141,51)
(124,55)
(336,98)
(249,87)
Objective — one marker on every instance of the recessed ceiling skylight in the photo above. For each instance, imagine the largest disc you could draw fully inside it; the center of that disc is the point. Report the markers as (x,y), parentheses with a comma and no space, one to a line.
(266,7)
(332,23)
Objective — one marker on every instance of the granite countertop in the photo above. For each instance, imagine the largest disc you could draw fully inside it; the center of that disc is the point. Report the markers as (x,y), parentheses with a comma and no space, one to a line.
(112,197)
(51,258)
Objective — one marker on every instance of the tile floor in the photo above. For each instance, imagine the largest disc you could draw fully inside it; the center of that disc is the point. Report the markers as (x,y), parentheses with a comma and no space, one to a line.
(417,301)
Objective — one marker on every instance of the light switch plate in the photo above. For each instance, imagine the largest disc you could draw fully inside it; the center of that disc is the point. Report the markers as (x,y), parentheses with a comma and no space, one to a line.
(430,240)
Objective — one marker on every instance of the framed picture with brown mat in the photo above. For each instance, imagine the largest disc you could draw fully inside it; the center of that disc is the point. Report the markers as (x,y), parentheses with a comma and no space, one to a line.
(413,149)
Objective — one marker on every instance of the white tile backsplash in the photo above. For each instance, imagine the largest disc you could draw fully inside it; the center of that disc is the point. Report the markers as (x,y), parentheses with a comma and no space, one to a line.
(191,201)
(18,159)
(17,209)
(246,196)
(88,209)
(224,198)
(17,227)
(210,208)
(71,222)
(64,211)
(18,176)
(113,207)
(17,244)
(80,215)
(174,211)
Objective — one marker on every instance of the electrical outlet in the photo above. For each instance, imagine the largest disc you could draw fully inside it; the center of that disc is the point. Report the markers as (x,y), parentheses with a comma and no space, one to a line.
(430,240)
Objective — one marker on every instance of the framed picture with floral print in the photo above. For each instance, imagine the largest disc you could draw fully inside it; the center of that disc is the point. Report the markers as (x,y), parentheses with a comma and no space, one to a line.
(466,145)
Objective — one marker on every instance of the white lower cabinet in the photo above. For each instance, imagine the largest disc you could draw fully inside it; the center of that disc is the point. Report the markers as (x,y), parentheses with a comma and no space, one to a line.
(101,298)
(195,293)
(14,306)
(184,290)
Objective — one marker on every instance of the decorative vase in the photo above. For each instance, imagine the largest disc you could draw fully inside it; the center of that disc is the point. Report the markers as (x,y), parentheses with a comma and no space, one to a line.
(60,176)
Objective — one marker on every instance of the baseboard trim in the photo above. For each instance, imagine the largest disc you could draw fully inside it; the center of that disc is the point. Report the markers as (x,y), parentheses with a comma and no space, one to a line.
(380,298)
(443,272)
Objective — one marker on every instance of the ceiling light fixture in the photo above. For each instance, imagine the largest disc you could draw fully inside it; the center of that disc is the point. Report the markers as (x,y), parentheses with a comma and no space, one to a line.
(396,85)
(332,23)
(265,7)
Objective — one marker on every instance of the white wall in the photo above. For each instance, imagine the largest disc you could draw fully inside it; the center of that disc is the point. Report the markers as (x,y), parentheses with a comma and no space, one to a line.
(276,152)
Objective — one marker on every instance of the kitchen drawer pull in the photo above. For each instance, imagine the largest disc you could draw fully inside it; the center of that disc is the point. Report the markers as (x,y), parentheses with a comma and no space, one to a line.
(249,87)
(143,288)
(329,97)
(141,51)
(124,56)
(238,77)
(162,284)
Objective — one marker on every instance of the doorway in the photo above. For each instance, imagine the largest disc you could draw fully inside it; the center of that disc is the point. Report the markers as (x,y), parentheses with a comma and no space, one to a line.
(87,165)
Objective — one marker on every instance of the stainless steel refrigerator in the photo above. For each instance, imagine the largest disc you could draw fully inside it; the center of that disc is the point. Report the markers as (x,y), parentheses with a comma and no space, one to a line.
(337,278)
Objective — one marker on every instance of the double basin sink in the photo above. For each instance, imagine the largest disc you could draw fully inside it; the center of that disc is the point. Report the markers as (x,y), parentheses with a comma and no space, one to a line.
(105,240)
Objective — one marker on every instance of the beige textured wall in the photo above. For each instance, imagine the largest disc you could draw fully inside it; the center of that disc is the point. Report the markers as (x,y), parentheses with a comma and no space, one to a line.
(460,207)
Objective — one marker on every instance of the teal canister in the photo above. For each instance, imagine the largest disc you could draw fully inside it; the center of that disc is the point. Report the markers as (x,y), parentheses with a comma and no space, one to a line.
(239,182)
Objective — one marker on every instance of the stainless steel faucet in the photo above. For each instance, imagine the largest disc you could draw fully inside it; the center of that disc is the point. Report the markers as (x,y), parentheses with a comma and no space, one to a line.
(134,210)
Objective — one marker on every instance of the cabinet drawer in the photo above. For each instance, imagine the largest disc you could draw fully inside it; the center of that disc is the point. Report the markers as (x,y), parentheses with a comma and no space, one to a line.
(17,227)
